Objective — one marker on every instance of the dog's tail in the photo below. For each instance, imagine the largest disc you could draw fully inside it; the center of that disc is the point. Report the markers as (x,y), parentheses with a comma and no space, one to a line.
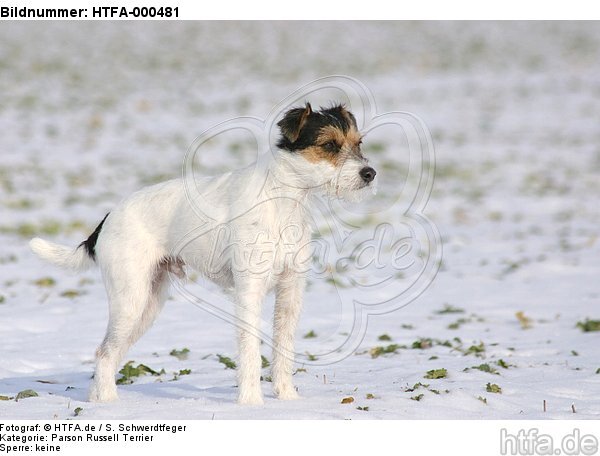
(78,259)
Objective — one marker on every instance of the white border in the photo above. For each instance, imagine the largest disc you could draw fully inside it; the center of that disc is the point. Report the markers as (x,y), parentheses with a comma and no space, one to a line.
(348,10)
(290,438)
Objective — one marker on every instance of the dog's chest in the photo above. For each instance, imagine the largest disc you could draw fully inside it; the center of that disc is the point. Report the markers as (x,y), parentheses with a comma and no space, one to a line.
(274,237)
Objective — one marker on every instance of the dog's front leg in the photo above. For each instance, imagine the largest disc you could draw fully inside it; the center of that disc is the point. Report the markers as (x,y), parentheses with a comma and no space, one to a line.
(288,304)
(250,294)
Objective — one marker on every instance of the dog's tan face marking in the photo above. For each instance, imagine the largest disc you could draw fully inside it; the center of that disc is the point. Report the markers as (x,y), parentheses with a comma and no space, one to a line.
(329,141)
(333,145)
(303,129)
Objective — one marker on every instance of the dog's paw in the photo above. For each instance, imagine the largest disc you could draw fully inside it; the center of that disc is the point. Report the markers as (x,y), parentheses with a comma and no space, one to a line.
(102,395)
(250,398)
(286,393)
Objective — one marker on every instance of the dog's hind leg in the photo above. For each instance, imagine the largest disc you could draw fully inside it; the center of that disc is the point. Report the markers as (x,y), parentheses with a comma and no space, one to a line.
(135,301)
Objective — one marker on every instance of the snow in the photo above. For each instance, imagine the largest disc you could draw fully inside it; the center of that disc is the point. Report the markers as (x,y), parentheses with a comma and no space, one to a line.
(92,112)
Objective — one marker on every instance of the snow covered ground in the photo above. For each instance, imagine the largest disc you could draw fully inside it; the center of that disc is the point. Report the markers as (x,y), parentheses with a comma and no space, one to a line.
(91,112)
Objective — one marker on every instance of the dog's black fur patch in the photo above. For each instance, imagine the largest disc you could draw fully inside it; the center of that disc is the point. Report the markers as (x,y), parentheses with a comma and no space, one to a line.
(90,243)
(336,116)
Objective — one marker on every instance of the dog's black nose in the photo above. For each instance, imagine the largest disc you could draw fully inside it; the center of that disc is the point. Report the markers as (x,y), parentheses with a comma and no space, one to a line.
(367,174)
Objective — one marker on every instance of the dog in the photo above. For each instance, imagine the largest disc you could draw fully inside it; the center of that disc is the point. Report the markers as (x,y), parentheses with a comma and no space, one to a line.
(146,240)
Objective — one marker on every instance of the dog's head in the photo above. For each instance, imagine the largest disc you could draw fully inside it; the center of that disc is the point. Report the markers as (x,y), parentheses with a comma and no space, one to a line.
(326,146)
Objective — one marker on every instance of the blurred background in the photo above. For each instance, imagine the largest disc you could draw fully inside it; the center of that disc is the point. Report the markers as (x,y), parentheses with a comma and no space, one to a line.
(91,111)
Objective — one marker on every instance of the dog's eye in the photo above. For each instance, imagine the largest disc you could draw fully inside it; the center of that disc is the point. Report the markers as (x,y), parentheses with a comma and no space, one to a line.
(331,146)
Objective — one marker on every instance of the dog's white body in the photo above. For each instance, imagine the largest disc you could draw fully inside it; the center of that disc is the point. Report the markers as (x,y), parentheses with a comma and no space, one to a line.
(247,230)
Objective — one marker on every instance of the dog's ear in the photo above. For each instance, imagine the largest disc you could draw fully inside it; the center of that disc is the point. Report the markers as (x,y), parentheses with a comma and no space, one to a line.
(293,121)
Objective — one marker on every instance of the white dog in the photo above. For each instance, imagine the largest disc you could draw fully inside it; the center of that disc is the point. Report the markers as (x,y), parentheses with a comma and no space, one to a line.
(159,230)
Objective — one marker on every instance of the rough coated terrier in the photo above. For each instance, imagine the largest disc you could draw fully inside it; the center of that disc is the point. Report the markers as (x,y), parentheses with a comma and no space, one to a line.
(146,238)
